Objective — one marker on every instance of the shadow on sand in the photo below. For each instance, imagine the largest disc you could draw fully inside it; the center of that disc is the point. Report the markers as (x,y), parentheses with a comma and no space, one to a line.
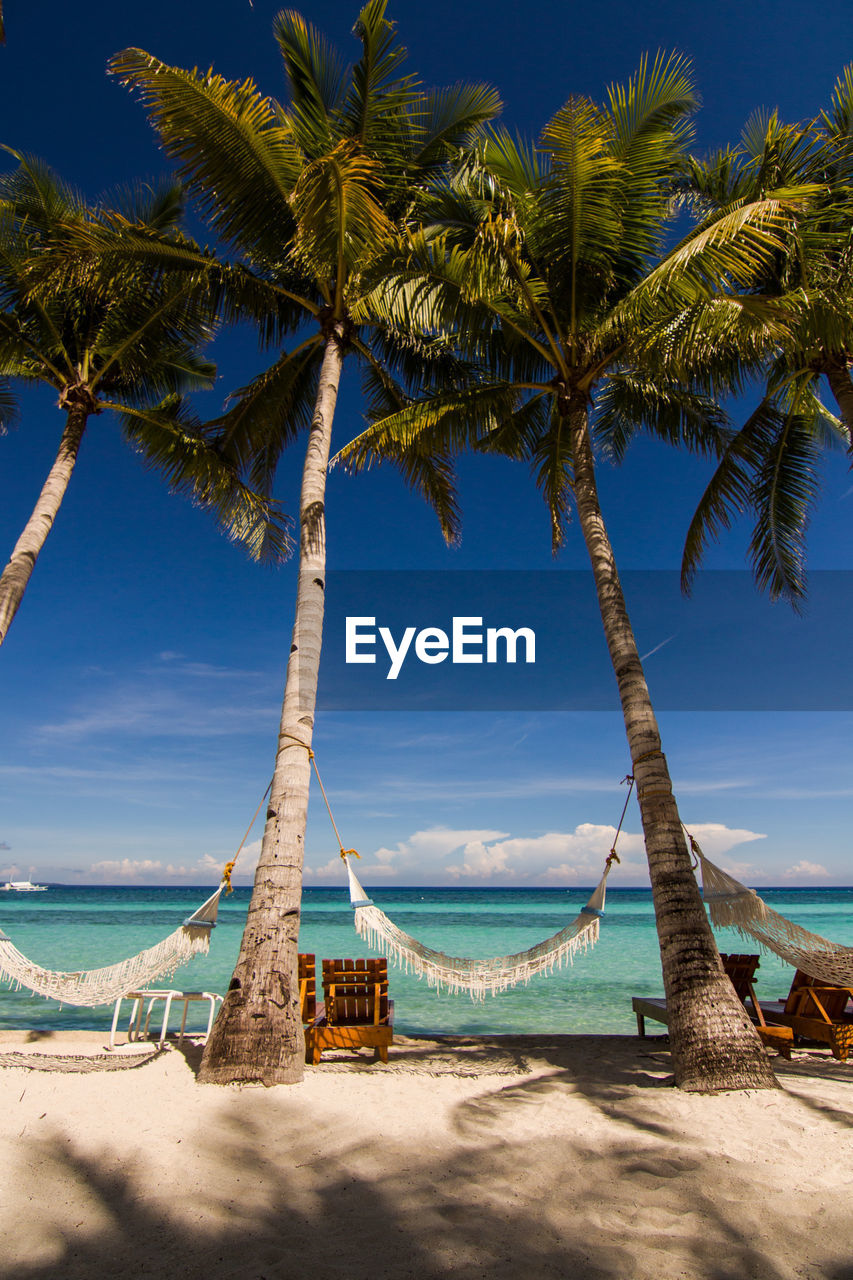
(508,1191)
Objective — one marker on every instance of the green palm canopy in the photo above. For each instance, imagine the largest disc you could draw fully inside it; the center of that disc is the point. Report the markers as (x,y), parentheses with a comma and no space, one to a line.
(771,466)
(110,336)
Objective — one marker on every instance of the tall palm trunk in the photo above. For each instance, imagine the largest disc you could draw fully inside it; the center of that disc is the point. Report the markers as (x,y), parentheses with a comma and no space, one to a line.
(258,1034)
(16,575)
(714,1045)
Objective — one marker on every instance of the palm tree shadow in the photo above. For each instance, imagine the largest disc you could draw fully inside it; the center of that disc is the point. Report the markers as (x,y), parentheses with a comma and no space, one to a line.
(346,1208)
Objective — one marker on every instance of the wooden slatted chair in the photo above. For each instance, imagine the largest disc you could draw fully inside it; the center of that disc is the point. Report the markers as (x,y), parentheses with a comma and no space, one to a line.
(356,1011)
(740,970)
(308,988)
(818,1011)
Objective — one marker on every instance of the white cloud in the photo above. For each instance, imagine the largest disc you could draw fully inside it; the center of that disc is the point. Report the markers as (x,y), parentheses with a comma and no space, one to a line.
(436,842)
(246,862)
(443,855)
(581,853)
(809,870)
(715,839)
(128,868)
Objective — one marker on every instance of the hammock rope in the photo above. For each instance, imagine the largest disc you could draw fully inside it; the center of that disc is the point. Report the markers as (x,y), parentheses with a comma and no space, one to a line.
(461,973)
(732,905)
(478,977)
(92,987)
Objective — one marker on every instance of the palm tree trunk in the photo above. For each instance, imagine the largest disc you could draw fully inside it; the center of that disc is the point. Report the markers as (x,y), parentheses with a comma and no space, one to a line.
(714,1045)
(16,575)
(258,1034)
(838,377)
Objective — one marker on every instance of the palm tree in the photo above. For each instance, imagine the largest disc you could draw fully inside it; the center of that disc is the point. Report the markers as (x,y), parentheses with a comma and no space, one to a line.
(772,464)
(307,193)
(549,266)
(107,339)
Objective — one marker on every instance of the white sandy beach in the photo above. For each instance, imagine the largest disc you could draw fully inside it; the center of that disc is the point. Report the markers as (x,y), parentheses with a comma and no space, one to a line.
(567,1156)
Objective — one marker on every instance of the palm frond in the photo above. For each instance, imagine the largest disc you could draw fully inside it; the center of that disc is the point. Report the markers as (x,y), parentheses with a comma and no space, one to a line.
(785,488)
(729,494)
(315,79)
(443,423)
(378,96)
(551,463)
(449,120)
(630,401)
(339,214)
(267,414)
(232,150)
(170,438)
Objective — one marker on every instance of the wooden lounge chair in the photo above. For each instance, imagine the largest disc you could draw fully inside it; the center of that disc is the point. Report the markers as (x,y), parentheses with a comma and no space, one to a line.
(818,1011)
(308,988)
(740,970)
(355,1012)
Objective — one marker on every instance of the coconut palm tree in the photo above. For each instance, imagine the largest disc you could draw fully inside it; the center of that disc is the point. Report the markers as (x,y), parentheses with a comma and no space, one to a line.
(550,267)
(109,339)
(307,193)
(772,464)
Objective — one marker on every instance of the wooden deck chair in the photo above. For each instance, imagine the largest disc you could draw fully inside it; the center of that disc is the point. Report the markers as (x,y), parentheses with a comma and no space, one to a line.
(356,1010)
(817,1011)
(740,970)
(308,988)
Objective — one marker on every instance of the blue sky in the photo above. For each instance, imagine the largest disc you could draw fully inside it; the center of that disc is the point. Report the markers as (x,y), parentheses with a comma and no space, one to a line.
(141,681)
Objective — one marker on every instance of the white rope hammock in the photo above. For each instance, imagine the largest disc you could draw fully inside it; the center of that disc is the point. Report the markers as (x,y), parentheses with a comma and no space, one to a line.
(103,986)
(732,904)
(479,977)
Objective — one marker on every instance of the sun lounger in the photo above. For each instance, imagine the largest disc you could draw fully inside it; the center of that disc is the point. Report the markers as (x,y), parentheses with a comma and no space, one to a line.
(355,1011)
(818,1011)
(741,970)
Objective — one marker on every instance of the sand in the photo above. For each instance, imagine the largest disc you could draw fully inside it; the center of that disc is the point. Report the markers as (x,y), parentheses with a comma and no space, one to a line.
(563,1156)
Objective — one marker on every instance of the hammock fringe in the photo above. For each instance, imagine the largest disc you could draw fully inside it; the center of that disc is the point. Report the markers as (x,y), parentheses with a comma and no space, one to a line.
(478,977)
(733,905)
(102,986)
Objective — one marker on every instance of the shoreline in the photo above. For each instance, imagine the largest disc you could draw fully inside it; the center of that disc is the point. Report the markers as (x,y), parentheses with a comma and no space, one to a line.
(507,1156)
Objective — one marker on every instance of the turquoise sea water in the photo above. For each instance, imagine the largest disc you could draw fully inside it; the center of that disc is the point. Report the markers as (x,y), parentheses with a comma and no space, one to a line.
(86,927)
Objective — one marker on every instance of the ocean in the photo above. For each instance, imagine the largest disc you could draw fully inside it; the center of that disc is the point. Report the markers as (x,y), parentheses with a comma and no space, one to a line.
(73,928)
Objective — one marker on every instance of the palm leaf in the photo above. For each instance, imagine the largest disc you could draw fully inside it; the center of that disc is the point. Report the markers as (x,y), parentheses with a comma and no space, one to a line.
(339,215)
(231,149)
(267,414)
(315,78)
(170,438)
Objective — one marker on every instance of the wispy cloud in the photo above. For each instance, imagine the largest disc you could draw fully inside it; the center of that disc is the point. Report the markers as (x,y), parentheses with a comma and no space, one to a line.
(152,710)
(805,870)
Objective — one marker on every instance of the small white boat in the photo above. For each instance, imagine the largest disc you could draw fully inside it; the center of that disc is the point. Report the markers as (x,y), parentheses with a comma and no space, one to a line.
(23,886)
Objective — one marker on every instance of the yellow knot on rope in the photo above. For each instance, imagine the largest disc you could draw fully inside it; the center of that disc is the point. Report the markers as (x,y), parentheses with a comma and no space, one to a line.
(349,853)
(613,856)
(226,875)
